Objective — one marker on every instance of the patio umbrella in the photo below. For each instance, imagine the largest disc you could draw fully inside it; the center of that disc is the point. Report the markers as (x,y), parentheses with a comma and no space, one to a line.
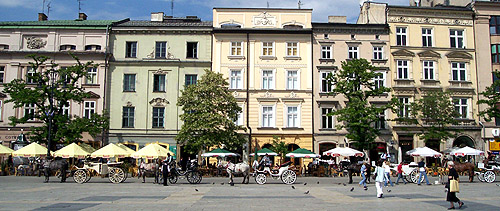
(265,151)
(302,153)
(71,151)
(32,150)
(466,151)
(131,151)
(152,151)
(87,147)
(400,155)
(5,150)
(219,153)
(343,151)
(449,150)
(424,152)
(110,150)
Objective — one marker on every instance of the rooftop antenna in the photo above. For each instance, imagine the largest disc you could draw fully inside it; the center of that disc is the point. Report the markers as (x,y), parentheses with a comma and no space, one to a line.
(267,4)
(43,6)
(172,7)
(300,4)
(79,6)
(48,8)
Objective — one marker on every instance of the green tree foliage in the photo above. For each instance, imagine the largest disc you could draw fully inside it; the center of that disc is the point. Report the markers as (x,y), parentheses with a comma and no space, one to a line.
(62,85)
(491,99)
(279,147)
(434,113)
(355,81)
(210,111)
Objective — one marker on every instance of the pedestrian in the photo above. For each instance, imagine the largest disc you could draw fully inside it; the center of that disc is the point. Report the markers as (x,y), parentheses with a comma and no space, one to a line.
(387,173)
(452,196)
(421,168)
(379,179)
(400,173)
(166,168)
(364,175)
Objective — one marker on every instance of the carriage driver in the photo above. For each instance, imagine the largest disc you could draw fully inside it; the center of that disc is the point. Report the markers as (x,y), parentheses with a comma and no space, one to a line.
(166,168)
(265,162)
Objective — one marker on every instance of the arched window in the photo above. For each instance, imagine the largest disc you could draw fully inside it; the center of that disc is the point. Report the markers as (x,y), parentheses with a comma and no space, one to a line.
(92,47)
(230,25)
(4,47)
(67,47)
(293,26)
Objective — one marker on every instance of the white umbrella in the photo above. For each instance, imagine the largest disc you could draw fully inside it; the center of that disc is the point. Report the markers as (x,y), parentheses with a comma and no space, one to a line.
(343,151)
(219,153)
(424,152)
(466,151)
(302,153)
(400,155)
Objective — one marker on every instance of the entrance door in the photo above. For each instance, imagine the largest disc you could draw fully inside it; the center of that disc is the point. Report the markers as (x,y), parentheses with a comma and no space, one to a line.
(406,144)
(433,144)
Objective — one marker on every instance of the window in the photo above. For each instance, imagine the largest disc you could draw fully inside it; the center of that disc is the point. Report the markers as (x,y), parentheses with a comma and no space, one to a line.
(404,111)
(427,37)
(458,71)
(4,47)
(267,116)
(66,109)
(191,79)
(161,50)
(325,36)
(379,80)
(159,83)
(292,79)
(326,121)
(461,107)
(239,118)
(292,116)
(292,49)
(325,85)
(158,117)
(67,47)
(129,82)
(235,80)
(1,110)
(268,49)
(2,73)
(128,117)
(88,109)
(353,36)
(267,79)
(402,66)
(380,123)
(428,70)
(92,75)
(378,52)
(353,52)
(326,52)
(495,25)
(377,36)
(401,36)
(495,53)
(456,38)
(131,49)
(92,47)
(236,49)
(29,110)
(30,73)
(192,50)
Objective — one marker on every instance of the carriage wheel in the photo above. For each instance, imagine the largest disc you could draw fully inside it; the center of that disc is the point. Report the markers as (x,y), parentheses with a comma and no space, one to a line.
(261,179)
(193,177)
(80,176)
(116,175)
(480,176)
(489,176)
(288,177)
(172,178)
(89,176)
(415,175)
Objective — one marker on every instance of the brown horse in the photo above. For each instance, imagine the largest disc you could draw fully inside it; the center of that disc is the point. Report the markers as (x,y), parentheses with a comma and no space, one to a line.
(461,167)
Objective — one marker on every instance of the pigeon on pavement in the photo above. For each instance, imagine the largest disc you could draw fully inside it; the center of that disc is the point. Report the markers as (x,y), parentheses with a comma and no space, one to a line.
(317,182)
(305,183)
(293,187)
(389,191)
(352,189)
(344,184)
(307,192)
(196,189)
(222,183)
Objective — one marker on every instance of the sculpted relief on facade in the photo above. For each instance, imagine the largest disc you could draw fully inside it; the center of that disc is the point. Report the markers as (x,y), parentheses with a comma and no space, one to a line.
(35,42)
(439,21)
(264,19)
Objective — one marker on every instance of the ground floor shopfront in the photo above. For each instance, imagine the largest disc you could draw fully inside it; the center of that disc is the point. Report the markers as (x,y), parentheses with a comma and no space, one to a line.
(293,141)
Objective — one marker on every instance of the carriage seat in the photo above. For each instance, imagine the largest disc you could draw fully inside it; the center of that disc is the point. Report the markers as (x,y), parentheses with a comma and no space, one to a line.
(285,164)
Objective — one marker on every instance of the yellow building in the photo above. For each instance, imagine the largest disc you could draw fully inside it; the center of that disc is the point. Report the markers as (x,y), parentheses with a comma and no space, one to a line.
(266,56)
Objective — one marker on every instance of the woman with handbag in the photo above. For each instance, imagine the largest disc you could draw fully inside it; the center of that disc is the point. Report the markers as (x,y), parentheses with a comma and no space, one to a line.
(453,187)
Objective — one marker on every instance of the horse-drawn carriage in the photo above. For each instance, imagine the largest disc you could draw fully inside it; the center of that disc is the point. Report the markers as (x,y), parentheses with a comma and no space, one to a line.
(286,175)
(114,171)
(488,173)
(192,174)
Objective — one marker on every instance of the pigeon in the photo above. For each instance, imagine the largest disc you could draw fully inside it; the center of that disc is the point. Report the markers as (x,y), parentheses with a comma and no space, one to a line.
(307,192)
(293,187)
(339,183)
(305,183)
(389,191)
(352,189)
(196,190)
(221,183)
(344,184)
(213,183)
(497,185)
(317,182)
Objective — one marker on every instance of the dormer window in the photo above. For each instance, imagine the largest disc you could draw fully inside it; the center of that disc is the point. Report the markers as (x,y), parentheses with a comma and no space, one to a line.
(230,25)
(292,26)
(67,47)
(4,47)
(92,47)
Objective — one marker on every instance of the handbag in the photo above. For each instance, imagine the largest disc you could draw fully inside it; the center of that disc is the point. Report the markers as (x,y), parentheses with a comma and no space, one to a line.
(454,186)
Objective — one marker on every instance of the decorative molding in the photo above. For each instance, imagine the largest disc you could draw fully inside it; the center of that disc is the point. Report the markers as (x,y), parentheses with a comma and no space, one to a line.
(292,95)
(264,19)
(159,102)
(267,95)
(129,104)
(232,65)
(236,94)
(429,54)
(35,42)
(403,53)
(161,72)
(426,20)
(281,65)
(459,55)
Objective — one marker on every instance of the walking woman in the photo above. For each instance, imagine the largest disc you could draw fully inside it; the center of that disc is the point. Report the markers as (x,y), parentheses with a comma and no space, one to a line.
(451,196)
(379,179)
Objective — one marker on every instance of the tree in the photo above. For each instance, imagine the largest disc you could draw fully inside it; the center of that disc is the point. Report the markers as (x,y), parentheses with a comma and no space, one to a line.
(356,82)
(279,147)
(433,114)
(210,111)
(491,99)
(50,91)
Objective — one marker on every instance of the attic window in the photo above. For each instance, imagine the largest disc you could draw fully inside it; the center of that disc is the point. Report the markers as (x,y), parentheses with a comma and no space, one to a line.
(92,47)
(292,26)
(4,47)
(230,25)
(67,47)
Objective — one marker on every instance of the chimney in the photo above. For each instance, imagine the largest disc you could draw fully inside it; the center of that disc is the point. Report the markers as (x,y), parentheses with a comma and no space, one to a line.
(82,16)
(337,19)
(157,16)
(42,17)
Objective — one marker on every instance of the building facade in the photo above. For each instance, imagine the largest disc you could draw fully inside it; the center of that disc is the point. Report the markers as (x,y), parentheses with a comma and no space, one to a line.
(266,54)
(153,60)
(86,39)
(335,42)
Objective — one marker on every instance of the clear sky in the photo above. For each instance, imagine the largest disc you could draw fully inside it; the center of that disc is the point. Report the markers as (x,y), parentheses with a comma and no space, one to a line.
(22,10)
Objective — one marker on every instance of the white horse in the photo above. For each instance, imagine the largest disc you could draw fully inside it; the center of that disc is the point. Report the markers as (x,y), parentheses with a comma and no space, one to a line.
(239,168)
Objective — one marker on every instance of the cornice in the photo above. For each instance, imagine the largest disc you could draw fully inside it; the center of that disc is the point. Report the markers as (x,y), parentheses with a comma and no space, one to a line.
(434,21)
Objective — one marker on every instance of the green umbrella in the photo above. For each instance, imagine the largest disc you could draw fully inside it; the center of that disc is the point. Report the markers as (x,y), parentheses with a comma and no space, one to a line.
(302,153)
(265,151)
(219,153)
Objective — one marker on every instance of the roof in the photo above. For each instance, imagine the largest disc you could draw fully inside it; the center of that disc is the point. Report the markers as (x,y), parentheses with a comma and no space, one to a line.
(171,22)
(70,24)
(455,8)
(353,25)
(263,30)
(259,8)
